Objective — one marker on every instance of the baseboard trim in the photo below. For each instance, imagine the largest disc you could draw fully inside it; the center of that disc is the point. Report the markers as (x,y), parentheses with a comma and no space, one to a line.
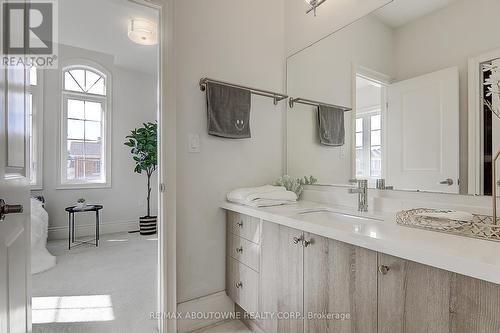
(56,233)
(218,302)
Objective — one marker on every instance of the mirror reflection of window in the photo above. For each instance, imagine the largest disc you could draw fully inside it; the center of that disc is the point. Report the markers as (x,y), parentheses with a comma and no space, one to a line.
(369,95)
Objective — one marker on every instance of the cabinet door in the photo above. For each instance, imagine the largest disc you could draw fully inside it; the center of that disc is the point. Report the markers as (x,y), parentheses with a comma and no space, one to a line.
(476,305)
(413,298)
(340,287)
(281,284)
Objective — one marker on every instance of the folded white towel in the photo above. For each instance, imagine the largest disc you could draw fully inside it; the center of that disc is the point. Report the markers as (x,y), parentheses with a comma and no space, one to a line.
(264,202)
(451,215)
(262,196)
(244,193)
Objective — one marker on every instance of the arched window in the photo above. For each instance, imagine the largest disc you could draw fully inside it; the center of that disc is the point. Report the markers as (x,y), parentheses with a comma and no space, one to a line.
(85,140)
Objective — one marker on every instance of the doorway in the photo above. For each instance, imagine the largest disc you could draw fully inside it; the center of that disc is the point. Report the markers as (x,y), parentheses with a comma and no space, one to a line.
(371,98)
(88,119)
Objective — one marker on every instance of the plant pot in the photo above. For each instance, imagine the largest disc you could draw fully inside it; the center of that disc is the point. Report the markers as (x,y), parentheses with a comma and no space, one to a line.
(147,225)
(81,205)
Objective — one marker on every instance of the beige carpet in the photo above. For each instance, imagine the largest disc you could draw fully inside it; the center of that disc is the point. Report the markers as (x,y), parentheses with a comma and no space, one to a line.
(111,288)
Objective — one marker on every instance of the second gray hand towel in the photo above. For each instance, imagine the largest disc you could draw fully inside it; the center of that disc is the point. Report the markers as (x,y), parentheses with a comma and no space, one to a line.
(331,126)
(228,111)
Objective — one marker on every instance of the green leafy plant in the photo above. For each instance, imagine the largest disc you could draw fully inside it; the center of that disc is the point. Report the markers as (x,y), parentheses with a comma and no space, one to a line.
(144,144)
(295,184)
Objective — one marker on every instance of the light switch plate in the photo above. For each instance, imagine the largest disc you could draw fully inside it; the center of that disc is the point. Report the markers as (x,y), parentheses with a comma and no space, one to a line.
(194,143)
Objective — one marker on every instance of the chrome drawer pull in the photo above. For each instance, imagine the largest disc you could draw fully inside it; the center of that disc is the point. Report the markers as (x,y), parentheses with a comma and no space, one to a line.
(239,249)
(240,224)
(383,269)
(239,285)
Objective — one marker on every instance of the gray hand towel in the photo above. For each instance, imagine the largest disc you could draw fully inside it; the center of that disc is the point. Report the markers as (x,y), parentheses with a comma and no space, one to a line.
(228,111)
(331,126)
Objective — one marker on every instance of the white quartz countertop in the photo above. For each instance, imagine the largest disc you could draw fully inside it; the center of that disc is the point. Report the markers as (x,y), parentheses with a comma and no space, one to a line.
(471,257)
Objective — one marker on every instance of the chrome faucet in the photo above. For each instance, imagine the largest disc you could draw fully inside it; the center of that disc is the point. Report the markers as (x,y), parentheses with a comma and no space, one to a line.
(362,191)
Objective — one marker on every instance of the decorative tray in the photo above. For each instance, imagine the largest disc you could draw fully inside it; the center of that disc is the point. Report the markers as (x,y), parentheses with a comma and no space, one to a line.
(481,226)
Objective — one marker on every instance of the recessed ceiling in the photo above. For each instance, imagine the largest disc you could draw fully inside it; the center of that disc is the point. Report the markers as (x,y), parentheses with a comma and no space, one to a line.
(102,26)
(401,12)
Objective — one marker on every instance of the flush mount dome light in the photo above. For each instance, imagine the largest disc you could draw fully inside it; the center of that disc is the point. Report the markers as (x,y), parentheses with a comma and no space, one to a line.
(314,4)
(142,31)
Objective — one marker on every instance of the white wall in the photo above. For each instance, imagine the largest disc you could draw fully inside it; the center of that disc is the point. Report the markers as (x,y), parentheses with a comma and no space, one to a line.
(134,102)
(303,30)
(324,72)
(239,41)
(446,38)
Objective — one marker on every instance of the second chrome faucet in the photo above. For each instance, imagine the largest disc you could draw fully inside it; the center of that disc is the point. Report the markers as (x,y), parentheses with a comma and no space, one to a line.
(362,191)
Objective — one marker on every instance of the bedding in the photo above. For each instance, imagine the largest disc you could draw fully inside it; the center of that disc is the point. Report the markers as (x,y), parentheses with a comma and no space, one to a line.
(41,259)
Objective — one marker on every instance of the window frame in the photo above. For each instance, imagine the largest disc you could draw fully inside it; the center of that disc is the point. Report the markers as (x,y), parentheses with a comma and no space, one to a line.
(36,128)
(106,101)
(366,115)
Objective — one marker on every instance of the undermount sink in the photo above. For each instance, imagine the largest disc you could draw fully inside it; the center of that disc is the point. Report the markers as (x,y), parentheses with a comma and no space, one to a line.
(329,213)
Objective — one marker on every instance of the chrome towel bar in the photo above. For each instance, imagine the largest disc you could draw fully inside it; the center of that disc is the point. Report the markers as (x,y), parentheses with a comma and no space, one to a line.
(275,96)
(300,100)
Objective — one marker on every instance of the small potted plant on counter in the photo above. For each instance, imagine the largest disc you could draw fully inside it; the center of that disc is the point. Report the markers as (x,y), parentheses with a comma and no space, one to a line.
(143,142)
(295,184)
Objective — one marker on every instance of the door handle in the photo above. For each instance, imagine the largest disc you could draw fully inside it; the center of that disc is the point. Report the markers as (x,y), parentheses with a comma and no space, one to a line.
(448,182)
(9,209)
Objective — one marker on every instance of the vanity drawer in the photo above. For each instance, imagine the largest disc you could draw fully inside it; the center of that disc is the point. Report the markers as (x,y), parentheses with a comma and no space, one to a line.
(242,285)
(244,226)
(244,251)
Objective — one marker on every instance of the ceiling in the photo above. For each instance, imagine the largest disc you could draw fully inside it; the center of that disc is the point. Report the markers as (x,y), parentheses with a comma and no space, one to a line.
(102,25)
(401,12)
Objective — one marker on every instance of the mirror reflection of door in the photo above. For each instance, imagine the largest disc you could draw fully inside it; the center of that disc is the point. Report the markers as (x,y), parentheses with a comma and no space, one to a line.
(423,132)
(407,131)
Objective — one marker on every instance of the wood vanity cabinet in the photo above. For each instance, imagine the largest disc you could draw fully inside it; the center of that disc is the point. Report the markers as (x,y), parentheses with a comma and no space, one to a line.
(243,260)
(278,270)
(417,298)
(281,278)
(339,282)
(412,297)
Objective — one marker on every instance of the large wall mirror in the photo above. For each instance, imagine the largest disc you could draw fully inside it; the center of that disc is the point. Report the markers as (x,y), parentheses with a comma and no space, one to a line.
(417,84)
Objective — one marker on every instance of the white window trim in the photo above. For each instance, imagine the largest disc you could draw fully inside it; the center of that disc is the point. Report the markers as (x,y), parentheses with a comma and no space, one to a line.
(366,114)
(62,183)
(385,80)
(37,105)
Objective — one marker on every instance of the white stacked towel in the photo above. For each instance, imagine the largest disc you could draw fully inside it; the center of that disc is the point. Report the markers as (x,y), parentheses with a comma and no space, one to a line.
(263,196)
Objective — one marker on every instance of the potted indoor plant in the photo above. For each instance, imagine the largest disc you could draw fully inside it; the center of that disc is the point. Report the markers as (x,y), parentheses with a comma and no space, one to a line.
(143,142)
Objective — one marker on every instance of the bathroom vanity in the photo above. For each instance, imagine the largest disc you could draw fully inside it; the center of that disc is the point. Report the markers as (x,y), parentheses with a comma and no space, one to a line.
(346,272)
(420,117)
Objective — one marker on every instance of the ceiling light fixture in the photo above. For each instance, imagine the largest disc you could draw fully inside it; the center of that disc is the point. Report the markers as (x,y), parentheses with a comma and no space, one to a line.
(142,31)
(314,4)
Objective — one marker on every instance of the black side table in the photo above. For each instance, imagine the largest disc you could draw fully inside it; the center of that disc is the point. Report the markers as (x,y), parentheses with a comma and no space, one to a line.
(71,215)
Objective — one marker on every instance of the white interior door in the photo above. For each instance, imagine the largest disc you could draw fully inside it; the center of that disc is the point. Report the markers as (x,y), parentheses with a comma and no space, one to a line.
(15,310)
(423,133)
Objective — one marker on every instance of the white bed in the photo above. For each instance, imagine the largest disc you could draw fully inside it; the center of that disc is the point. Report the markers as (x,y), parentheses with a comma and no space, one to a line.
(41,259)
